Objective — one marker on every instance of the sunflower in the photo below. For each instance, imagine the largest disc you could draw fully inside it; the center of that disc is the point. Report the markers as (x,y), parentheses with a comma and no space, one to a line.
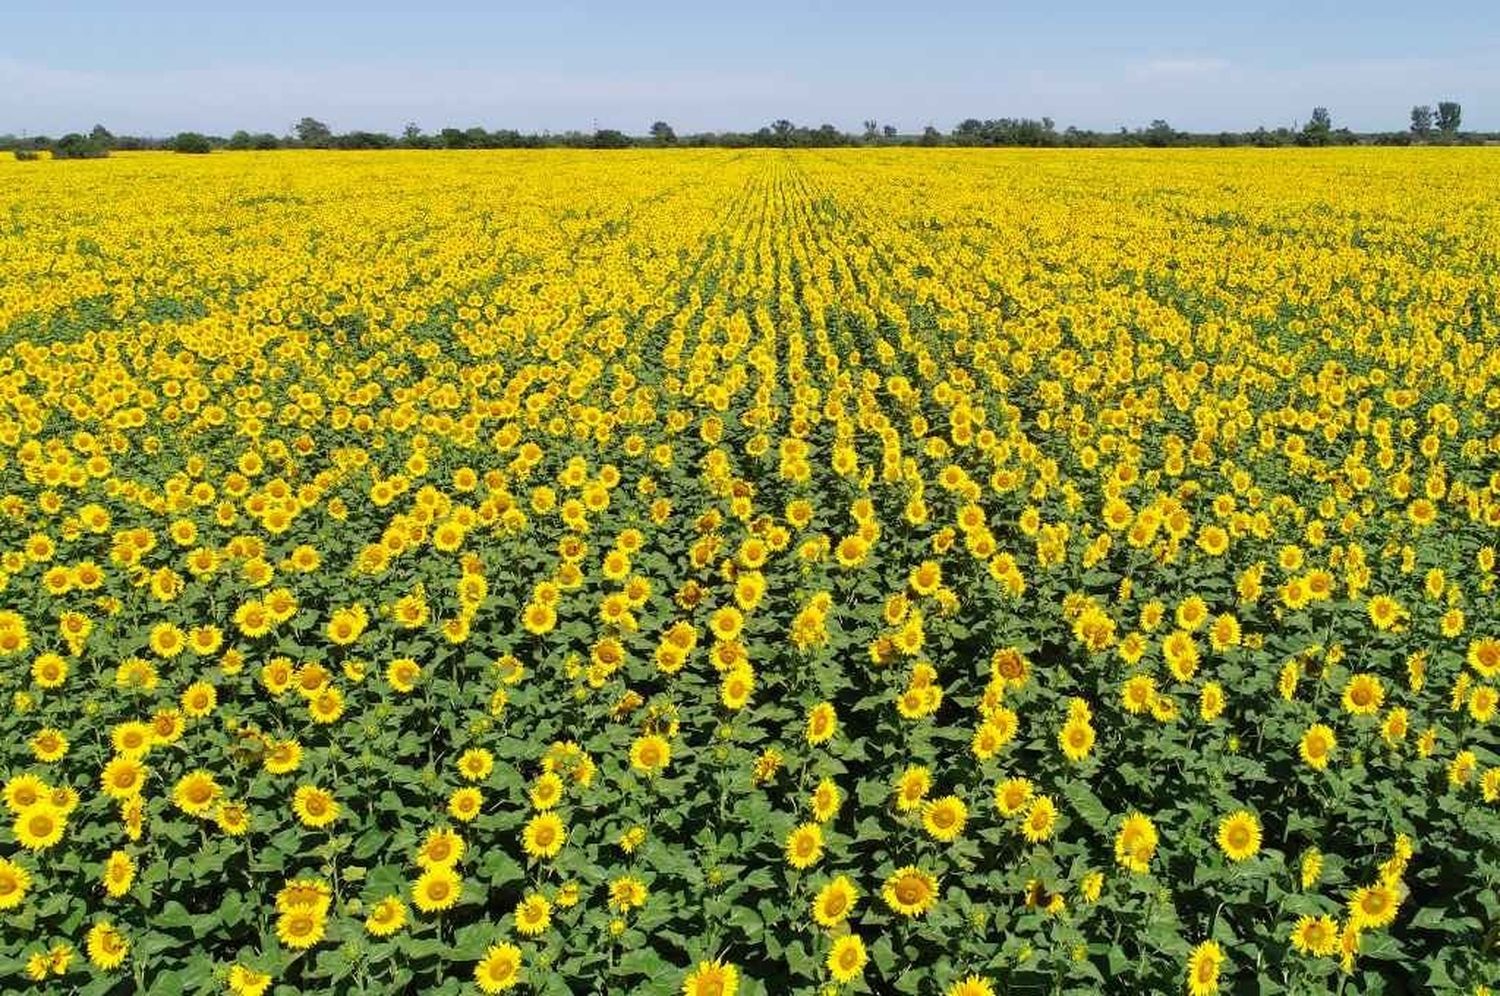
(1012,795)
(834,902)
(804,846)
(1484,656)
(851,551)
(972,985)
(912,788)
(107,947)
(1374,906)
(625,893)
(437,888)
(253,619)
(822,723)
(300,927)
(1239,835)
(402,674)
(1040,821)
(1076,739)
(59,958)
(538,620)
(48,745)
(464,804)
(118,874)
(1211,702)
(712,978)
(388,916)
(736,687)
(49,670)
(1363,694)
(1181,654)
(726,623)
(1317,746)
(650,754)
(1203,968)
(846,959)
(233,818)
(247,981)
(282,756)
(1136,842)
(1482,703)
(14,881)
(925,577)
(1311,868)
(133,739)
(910,891)
(312,892)
(499,969)
(533,914)
(544,836)
(1137,692)
(314,806)
(198,700)
(1385,612)
(24,791)
(826,799)
(196,793)
(1316,935)
(39,827)
(944,818)
(167,727)
(440,847)
(476,764)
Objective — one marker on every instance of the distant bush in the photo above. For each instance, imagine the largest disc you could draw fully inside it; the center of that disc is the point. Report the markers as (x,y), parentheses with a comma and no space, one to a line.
(242,141)
(76,146)
(27,155)
(192,143)
(610,138)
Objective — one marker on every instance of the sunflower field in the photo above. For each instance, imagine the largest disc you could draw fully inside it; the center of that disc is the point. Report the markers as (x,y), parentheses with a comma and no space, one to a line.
(933,572)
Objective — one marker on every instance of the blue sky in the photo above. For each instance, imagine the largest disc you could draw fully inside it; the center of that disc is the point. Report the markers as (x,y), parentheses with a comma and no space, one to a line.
(152,68)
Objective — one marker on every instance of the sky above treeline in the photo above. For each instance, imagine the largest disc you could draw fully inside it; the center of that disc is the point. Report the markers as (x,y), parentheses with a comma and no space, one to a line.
(156,69)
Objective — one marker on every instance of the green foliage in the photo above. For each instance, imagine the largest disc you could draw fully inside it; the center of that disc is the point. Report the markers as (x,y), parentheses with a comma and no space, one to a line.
(191,143)
(76,146)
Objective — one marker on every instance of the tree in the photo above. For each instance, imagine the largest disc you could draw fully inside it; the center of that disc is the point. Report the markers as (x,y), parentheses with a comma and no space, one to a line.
(662,133)
(192,143)
(889,131)
(1318,129)
(872,128)
(411,136)
(240,141)
(1421,121)
(313,133)
(931,136)
(1026,132)
(1159,134)
(610,138)
(76,146)
(101,136)
(1449,114)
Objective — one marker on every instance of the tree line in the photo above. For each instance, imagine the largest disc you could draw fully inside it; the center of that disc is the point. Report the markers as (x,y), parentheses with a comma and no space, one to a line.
(1441,125)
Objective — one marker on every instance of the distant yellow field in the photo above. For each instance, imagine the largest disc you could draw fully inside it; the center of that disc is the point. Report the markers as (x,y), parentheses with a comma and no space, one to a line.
(923,571)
